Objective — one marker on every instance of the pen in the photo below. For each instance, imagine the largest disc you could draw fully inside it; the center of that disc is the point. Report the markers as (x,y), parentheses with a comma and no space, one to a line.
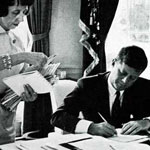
(105,121)
(102,117)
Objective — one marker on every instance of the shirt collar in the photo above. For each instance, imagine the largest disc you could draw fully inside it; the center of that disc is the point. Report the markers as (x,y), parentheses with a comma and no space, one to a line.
(2,30)
(111,89)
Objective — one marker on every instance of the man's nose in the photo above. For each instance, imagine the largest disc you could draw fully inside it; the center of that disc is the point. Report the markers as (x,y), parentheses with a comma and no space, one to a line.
(125,79)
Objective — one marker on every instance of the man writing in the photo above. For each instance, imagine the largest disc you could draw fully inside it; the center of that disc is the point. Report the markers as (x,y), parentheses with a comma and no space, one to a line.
(120,96)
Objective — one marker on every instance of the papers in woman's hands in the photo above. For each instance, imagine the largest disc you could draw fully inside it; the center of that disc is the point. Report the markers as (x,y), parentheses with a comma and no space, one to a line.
(38,81)
(33,78)
(10,100)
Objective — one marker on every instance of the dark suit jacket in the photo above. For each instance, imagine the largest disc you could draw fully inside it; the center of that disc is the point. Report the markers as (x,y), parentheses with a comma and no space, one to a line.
(91,96)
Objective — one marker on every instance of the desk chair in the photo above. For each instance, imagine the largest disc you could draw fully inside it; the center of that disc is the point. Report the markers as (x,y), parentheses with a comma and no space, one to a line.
(36,119)
(19,124)
(59,91)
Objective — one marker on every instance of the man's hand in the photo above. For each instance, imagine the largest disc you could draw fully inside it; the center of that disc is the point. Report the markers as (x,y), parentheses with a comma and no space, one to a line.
(102,129)
(133,127)
(29,94)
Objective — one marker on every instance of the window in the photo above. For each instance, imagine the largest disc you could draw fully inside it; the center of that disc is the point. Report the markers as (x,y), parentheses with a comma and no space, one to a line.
(131,26)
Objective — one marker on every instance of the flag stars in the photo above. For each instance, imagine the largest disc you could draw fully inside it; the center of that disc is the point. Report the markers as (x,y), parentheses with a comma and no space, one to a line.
(98,42)
(94,35)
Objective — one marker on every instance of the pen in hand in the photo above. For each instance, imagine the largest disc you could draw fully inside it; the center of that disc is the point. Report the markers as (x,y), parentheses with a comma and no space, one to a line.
(105,121)
(102,117)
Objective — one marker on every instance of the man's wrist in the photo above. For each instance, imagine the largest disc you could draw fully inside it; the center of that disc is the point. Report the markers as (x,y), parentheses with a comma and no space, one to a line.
(90,129)
(82,126)
(148,123)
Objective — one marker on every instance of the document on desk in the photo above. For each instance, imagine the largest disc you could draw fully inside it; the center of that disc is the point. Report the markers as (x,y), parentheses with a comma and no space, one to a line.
(33,78)
(56,139)
(100,143)
(128,138)
(78,142)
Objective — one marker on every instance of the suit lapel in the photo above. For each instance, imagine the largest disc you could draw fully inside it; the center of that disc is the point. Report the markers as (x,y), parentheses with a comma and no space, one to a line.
(103,97)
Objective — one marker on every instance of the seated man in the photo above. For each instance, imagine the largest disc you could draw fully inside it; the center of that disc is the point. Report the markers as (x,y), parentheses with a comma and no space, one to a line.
(95,96)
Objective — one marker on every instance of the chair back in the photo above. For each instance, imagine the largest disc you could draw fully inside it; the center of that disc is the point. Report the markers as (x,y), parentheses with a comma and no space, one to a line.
(61,89)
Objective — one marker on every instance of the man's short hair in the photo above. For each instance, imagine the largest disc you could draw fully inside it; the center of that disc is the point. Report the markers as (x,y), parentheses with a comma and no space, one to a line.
(134,57)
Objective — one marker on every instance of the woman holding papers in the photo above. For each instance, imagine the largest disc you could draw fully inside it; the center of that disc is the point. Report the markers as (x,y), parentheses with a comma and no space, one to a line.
(14,60)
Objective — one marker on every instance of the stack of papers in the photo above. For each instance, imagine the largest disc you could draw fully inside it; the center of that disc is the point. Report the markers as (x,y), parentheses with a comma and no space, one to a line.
(56,141)
(101,144)
(89,142)
(38,81)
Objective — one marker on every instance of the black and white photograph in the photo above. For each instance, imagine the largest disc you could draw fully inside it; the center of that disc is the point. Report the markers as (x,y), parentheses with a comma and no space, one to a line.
(74,74)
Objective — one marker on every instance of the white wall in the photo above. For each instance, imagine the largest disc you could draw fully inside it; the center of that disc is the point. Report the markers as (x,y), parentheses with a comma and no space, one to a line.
(65,35)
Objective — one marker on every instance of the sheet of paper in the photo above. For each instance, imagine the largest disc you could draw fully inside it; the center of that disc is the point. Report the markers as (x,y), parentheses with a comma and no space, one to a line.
(33,78)
(100,143)
(56,139)
(93,144)
(128,138)
(130,146)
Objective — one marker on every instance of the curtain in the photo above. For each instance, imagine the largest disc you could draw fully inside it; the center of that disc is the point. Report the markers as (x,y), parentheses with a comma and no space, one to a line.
(37,114)
(95,21)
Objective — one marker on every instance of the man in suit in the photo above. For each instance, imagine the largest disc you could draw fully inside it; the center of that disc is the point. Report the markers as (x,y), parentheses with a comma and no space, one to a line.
(95,95)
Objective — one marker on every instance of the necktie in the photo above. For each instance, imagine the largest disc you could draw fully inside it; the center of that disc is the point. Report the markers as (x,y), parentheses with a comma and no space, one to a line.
(116,110)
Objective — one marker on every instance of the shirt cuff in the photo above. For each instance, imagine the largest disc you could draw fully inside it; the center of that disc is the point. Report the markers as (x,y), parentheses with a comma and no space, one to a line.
(148,118)
(82,126)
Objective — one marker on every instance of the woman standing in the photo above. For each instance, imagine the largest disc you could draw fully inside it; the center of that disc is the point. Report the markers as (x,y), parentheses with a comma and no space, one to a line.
(14,60)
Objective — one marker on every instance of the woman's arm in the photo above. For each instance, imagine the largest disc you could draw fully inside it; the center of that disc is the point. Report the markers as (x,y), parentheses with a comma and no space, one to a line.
(36,59)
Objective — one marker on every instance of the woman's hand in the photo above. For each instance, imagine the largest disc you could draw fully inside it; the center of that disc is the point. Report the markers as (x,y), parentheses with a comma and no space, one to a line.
(29,94)
(37,59)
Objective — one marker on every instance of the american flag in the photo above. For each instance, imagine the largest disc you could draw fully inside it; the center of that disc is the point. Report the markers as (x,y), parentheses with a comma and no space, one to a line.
(90,25)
